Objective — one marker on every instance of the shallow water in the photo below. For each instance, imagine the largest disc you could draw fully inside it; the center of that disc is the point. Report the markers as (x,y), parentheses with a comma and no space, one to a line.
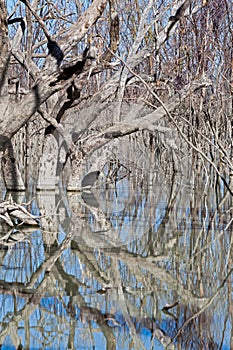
(123,267)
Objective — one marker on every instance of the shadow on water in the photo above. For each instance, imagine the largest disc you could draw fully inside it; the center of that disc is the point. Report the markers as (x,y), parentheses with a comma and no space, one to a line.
(123,267)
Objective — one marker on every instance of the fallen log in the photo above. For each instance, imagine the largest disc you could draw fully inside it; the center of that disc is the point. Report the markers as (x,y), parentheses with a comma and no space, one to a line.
(15,214)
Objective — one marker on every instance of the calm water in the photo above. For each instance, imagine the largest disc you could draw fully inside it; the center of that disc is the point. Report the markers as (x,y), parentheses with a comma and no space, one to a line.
(125,267)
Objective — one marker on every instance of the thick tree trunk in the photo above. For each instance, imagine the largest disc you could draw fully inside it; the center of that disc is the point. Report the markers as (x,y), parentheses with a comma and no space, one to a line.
(9,170)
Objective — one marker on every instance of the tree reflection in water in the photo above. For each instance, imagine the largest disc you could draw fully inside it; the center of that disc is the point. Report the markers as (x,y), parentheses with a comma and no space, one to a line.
(121,268)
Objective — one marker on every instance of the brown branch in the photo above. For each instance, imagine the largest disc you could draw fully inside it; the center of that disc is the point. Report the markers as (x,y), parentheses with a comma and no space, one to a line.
(114,33)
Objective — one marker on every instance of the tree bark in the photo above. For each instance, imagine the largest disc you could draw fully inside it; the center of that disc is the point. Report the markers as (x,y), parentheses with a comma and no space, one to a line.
(4,51)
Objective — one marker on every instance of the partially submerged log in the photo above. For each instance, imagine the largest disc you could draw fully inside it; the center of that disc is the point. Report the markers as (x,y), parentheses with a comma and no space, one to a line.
(15,214)
(12,237)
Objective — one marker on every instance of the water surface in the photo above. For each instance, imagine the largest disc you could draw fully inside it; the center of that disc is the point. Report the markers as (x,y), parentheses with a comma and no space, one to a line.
(120,267)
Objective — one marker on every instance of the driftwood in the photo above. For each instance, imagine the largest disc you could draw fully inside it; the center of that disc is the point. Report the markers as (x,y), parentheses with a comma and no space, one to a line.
(15,214)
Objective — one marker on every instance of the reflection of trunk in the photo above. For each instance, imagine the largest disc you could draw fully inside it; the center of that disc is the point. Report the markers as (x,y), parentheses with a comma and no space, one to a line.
(10,172)
(158,240)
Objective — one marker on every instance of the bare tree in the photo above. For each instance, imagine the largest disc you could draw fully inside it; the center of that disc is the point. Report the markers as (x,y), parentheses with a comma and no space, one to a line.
(68,70)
